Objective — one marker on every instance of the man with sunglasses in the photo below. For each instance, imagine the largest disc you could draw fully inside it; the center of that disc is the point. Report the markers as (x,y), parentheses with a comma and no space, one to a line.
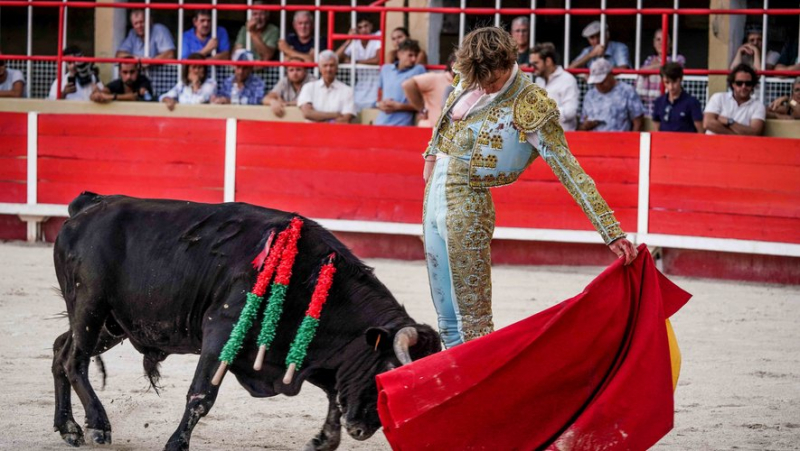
(736,112)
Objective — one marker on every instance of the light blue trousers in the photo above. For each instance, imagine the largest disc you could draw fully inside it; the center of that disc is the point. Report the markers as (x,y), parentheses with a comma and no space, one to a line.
(436,255)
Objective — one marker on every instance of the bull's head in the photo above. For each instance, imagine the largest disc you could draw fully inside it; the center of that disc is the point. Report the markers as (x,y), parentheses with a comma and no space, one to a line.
(384,349)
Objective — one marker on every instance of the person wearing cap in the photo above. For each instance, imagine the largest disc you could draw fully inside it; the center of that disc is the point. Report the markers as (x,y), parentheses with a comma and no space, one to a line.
(613,51)
(560,85)
(494,124)
(610,106)
(736,112)
(750,51)
(12,82)
(241,88)
(262,35)
(327,99)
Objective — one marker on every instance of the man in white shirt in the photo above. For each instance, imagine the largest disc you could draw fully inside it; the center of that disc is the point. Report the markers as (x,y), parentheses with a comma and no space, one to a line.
(560,85)
(12,83)
(363,51)
(78,81)
(736,112)
(327,99)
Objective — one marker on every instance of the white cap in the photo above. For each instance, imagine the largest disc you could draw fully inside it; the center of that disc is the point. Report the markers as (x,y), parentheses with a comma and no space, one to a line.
(600,69)
(592,29)
(243,55)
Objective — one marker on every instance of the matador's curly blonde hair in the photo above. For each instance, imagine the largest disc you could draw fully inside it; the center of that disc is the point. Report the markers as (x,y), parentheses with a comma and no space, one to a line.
(482,51)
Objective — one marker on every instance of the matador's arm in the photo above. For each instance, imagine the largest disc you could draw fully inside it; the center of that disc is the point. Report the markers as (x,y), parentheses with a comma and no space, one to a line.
(536,117)
(554,150)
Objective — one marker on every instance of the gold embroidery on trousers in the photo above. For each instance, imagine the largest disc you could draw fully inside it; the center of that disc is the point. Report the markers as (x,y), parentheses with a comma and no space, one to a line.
(470,225)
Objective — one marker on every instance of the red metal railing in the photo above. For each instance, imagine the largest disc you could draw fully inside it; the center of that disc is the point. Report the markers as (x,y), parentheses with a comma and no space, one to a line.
(378,8)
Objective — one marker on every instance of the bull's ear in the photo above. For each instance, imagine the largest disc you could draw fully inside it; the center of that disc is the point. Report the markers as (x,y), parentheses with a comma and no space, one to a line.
(379,339)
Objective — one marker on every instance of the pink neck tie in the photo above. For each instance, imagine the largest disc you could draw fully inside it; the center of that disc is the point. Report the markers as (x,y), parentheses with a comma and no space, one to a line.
(465,104)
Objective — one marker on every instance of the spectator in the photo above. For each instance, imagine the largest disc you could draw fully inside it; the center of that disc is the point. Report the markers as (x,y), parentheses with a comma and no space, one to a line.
(428,92)
(394,106)
(786,107)
(649,86)
(615,52)
(789,59)
(560,85)
(363,51)
(300,43)
(327,99)
(610,106)
(198,38)
(194,88)
(736,112)
(677,110)
(241,88)
(285,92)
(130,86)
(12,83)
(750,51)
(79,80)
(161,44)
(521,32)
(399,35)
(262,35)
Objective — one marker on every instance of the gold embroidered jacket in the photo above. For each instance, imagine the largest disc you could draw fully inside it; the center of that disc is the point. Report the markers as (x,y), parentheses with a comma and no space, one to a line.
(495,139)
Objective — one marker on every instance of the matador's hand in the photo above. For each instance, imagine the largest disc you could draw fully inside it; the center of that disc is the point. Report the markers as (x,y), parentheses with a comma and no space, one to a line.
(624,249)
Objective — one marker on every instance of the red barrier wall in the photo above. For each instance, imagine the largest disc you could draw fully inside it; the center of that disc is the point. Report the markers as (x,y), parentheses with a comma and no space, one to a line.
(375,174)
(700,186)
(725,187)
(138,156)
(13,157)
(329,171)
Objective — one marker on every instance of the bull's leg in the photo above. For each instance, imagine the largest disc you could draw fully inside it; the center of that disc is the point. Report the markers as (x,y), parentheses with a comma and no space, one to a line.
(64,423)
(87,325)
(331,434)
(202,392)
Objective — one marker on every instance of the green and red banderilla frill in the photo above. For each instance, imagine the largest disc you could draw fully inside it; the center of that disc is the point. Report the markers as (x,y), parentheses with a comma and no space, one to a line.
(280,256)
(308,328)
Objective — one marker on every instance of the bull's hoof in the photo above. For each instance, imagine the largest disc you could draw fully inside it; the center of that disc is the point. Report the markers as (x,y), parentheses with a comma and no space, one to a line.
(322,442)
(99,436)
(71,433)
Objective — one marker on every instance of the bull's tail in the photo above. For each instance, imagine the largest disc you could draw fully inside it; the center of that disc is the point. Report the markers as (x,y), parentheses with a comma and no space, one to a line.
(84,200)
(152,362)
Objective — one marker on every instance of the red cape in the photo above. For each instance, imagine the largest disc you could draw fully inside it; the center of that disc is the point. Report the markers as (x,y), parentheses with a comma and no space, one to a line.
(592,372)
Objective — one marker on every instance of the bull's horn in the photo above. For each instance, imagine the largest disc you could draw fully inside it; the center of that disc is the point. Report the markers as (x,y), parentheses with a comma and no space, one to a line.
(404,339)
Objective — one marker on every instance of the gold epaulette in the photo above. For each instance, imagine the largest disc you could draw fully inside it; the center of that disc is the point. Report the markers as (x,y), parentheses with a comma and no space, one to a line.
(532,109)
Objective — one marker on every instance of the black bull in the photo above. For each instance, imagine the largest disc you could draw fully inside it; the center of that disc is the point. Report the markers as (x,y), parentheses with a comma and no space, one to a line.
(171,277)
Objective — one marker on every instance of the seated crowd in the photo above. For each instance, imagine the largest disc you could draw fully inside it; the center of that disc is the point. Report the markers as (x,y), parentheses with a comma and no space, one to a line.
(405,94)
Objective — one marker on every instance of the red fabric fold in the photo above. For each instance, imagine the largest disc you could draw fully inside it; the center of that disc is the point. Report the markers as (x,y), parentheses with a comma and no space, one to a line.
(592,372)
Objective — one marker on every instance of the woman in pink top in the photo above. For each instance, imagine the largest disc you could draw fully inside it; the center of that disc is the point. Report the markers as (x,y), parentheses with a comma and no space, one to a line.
(427,93)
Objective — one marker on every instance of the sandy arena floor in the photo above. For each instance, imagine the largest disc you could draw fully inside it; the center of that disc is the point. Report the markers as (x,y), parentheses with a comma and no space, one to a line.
(739,388)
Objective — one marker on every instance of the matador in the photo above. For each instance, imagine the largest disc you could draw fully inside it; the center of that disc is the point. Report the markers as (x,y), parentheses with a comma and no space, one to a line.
(490,131)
